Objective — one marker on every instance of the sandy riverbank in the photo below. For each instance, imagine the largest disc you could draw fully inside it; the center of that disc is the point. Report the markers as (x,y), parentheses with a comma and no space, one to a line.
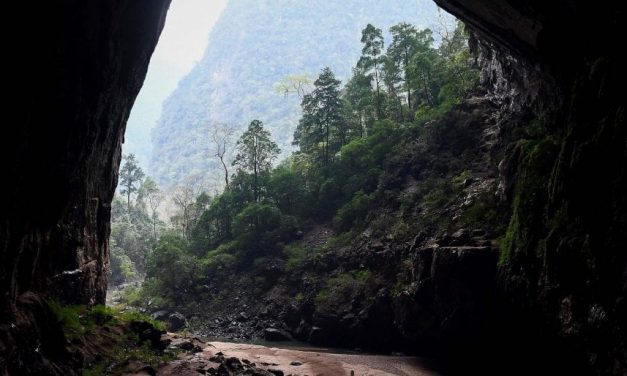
(298,362)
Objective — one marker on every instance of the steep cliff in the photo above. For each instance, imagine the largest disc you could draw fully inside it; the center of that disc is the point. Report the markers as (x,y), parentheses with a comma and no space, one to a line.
(563,269)
(80,66)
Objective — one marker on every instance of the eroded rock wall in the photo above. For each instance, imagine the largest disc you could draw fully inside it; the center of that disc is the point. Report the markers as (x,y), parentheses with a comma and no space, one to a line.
(78,68)
(563,270)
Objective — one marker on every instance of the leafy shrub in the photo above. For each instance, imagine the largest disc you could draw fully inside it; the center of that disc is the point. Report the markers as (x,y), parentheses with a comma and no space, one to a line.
(340,291)
(295,255)
(354,213)
(121,268)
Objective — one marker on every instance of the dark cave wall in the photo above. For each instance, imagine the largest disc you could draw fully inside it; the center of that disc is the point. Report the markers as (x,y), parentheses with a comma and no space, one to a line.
(563,269)
(78,68)
(80,74)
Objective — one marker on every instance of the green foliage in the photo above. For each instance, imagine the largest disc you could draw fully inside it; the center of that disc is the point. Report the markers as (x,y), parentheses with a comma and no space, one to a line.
(354,146)
(372,61)
(256,151)
(172,269)
(231,85)
(322,130)
(353,213)
(537,149)
(294,254)
(131,176)
(79,320)
(111,331)
(121,268)
(341,290)
(69,317)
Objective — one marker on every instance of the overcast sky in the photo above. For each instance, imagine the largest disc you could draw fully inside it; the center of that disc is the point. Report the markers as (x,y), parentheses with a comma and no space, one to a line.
(182,43)
(186,32)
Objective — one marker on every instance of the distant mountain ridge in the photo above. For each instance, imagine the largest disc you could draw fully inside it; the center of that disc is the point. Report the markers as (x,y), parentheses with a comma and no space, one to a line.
(252,47)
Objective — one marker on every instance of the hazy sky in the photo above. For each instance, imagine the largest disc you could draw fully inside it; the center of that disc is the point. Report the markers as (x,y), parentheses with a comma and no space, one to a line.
(182,44)
(186,32)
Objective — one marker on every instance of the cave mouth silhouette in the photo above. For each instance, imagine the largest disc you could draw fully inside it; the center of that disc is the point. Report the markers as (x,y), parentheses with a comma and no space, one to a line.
(78,85)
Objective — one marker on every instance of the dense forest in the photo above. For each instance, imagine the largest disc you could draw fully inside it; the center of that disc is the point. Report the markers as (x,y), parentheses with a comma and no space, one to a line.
(394,151)
(259,56)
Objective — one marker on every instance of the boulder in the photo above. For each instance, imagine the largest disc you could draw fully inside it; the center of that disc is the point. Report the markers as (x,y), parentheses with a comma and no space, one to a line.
(273,334)
(176,322)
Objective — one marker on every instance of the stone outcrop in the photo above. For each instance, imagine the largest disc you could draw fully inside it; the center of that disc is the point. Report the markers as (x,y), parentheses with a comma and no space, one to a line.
(80,67)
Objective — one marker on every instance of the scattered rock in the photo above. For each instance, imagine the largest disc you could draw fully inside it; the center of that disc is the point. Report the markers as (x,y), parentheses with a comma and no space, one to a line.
(193,345)
(234,364)
(273,334)
(136,368)
(146,332)
(296,363)
(268,364)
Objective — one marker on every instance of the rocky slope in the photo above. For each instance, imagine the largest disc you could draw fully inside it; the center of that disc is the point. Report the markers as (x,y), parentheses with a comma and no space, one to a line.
(418,278)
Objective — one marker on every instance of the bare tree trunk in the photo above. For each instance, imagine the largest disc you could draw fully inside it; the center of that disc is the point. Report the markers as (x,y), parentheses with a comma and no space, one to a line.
(226,172)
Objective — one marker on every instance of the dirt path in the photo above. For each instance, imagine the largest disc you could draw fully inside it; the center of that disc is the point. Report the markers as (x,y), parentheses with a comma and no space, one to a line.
(295,362)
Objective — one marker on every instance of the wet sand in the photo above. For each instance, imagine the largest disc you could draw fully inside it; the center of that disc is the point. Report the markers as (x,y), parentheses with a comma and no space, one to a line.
(312,362)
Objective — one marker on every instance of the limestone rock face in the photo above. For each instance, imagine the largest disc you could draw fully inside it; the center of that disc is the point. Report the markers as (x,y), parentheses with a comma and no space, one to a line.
(78,68)
(83,68)
(563,264)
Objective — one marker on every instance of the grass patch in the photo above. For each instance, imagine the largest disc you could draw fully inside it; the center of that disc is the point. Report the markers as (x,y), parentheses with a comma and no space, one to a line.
(344,289)
(113,336)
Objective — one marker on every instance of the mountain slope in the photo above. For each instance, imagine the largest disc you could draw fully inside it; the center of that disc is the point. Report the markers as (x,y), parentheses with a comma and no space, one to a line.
(252,47)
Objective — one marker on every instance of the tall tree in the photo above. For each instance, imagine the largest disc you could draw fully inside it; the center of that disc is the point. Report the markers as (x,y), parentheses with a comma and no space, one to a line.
(150,193)
(184,198)
(358,93)
(223,139)
(425,68)
(371,60)
(131,175)
(403,46)
(459,72)
(322,126)
(255,153)
(392,77)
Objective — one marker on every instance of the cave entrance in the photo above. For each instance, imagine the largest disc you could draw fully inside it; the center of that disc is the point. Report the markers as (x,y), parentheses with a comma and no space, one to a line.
(382,231)
(262,165)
